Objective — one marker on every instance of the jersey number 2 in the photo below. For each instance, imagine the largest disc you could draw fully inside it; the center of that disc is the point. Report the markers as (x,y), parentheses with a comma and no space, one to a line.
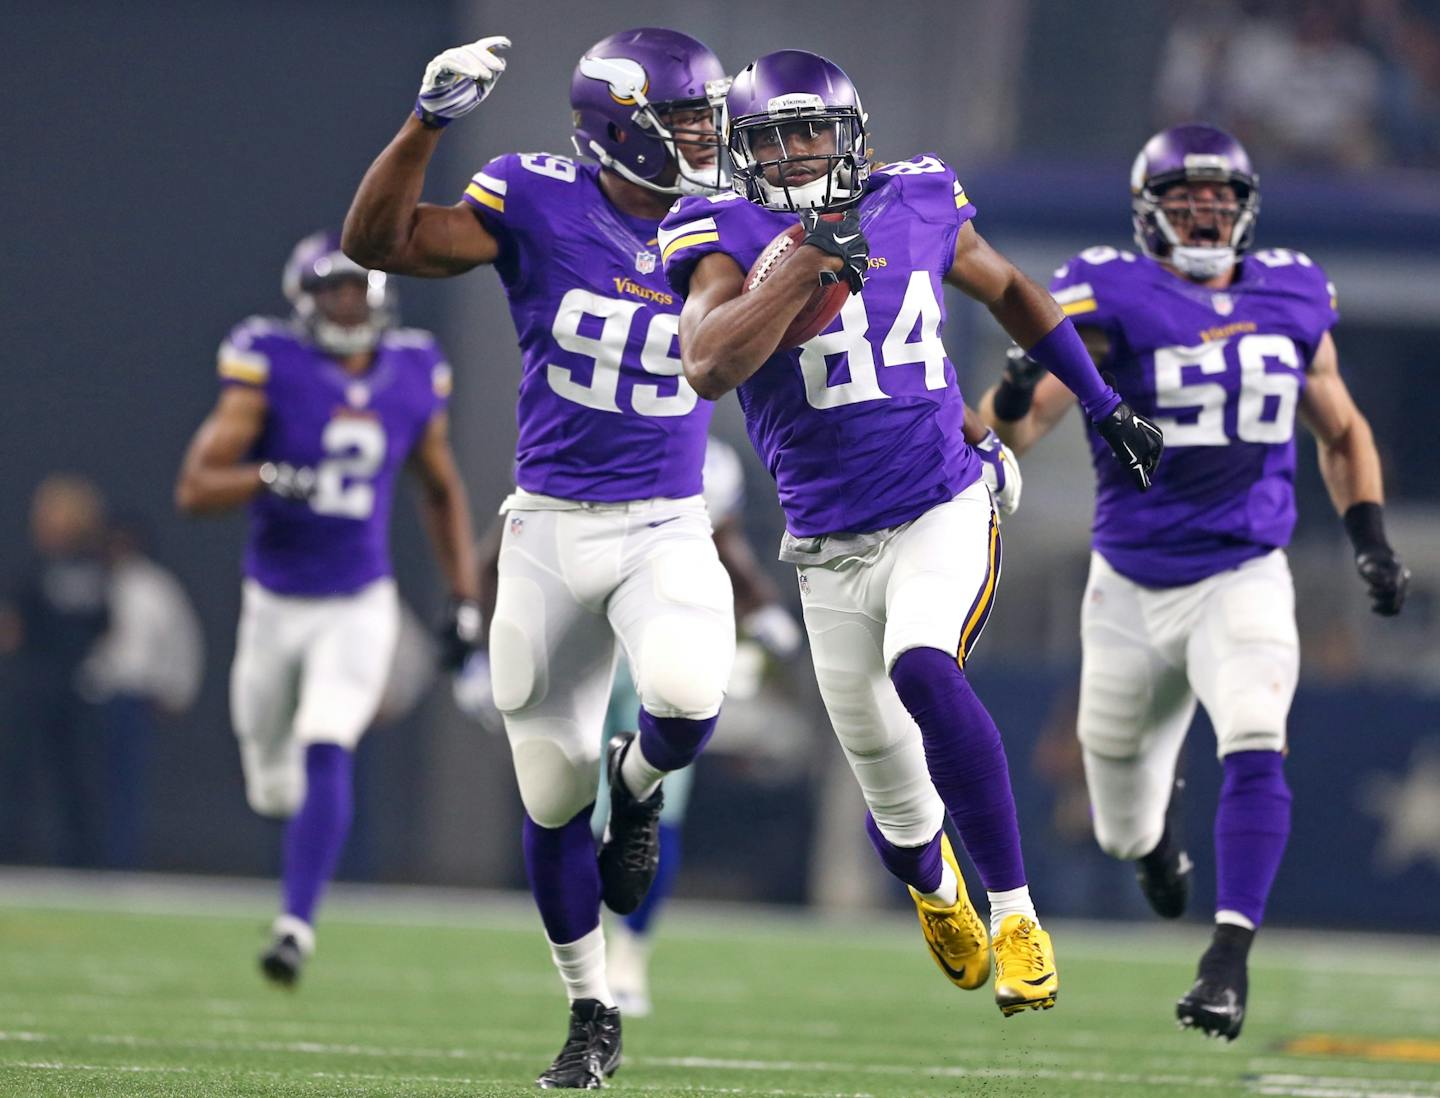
(356,449)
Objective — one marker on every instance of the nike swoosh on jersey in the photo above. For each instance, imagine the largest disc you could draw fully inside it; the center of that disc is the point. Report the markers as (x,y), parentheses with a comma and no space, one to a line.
(662,522)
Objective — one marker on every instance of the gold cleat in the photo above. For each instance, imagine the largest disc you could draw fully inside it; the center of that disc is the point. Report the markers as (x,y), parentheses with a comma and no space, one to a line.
(956,935)
(1025,976)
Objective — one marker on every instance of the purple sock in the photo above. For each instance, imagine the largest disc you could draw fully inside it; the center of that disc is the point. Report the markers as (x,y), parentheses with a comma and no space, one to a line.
(564,876)
(920,867)
(671,743)
(316,834)
(640,919)
(966,762)
(1252,823)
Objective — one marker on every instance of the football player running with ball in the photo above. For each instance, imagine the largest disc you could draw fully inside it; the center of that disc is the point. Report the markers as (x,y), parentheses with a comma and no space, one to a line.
(316,417)
(1190,595)
(888,521)
(607,543)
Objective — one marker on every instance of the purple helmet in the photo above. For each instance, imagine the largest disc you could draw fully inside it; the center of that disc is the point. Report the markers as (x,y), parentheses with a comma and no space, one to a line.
(317,262)
(1186,154)
(779,104)
(623,85)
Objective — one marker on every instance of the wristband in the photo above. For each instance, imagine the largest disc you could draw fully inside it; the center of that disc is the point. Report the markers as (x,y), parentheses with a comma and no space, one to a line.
(1011,401)
(1063,353)
(1365,523)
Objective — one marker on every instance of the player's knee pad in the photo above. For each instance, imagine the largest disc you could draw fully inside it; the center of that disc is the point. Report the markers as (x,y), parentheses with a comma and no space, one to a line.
(1125,837)
(907,820)
(518,665)
(276,795)
(1115,697)
(684,664)
(554,785)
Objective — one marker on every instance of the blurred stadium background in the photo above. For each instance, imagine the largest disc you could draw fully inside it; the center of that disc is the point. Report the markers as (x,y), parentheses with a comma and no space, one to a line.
(163,157)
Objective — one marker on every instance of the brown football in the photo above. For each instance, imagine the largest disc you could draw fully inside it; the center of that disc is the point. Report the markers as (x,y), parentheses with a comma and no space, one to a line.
(824,304)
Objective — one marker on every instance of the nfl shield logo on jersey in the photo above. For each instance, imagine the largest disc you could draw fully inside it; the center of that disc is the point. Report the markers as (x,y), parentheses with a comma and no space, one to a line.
(645,261)
(1224,303)
(517,524)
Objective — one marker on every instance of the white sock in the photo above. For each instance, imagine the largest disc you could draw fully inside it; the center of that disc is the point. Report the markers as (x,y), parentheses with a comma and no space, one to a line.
(1233,918)
(640,776)
(948,892)
(582,967)
(299,929)
(1015,901)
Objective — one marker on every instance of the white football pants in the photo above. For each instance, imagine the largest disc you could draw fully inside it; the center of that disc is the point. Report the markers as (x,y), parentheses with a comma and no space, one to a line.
(1228,640)
(931,585)
(572,581)
(306,670)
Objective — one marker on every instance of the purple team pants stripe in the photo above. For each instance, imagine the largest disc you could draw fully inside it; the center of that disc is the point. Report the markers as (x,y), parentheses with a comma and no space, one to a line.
(979,612)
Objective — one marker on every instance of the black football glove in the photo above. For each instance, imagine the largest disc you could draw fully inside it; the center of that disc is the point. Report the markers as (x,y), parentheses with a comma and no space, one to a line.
(459,633)
(843,239)
(1021,370)
(1383,572)
(1134,440)
(1388,579)
(1016,391)
(294,482)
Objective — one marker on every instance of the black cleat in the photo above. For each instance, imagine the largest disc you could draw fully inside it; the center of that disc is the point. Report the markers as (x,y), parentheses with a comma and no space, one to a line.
(591,1052)
(282,962)
(1215,1005)
(1164,873)
(630,854)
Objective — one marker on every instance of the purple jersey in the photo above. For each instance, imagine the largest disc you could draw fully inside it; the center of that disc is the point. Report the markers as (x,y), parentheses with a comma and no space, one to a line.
(1221,372)
(605,412)
(860,427)
(355,431)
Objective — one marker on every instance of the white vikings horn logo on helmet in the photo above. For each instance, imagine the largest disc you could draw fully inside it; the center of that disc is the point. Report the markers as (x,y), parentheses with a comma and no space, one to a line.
(627,79)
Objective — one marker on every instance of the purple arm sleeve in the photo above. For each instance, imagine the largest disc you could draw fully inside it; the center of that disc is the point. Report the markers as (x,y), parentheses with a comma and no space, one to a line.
(1063,353)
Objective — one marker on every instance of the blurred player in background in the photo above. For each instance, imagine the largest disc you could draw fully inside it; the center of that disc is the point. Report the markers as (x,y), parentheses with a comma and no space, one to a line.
(606,537)
(893,532)
(1190,594)
(316,416)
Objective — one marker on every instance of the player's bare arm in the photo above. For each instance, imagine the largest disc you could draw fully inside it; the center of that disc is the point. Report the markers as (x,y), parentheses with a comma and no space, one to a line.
(1349,461)
(445,510)
(388,228)
(1034,320)
(214,475)
(725,336)
(1350,466)
(1023,309)
(754,589)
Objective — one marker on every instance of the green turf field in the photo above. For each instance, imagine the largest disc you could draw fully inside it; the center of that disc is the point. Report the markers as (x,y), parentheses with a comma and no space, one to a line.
(162,998)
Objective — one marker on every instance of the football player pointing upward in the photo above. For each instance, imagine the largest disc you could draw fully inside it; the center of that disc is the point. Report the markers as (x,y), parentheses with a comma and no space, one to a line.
(1190,594)
(893,533)
(607,534)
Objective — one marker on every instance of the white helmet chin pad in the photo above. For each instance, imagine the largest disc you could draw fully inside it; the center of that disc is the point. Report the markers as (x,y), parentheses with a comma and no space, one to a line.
(1202,264)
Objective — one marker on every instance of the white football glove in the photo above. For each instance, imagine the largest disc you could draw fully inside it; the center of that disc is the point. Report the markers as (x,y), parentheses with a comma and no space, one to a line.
(459,79)
(1000,472)
(772,627)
